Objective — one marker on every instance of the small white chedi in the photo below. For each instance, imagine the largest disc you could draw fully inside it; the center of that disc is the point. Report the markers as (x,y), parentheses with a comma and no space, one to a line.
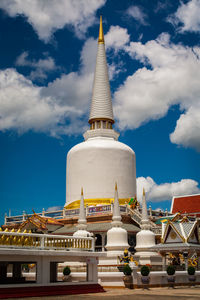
(82,222)
(117,237)
(145,239)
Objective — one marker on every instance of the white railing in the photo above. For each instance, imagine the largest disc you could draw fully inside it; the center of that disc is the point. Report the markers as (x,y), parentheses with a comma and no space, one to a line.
(45,241)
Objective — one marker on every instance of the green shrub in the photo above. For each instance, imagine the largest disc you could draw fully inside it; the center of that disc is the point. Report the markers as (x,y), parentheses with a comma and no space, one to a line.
(127,270)
(66,270)
(171,270)
(191,270)
(145,270)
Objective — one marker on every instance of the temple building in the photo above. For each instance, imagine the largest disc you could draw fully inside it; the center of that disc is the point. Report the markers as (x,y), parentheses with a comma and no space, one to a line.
(96,166)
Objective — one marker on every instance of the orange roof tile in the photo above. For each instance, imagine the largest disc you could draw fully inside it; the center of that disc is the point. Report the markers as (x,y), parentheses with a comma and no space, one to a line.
(186,204)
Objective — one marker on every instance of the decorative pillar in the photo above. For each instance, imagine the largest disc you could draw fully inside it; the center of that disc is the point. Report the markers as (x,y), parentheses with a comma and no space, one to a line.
(92,270)
(164,262)
(43,270)
(103,236)
(5,219)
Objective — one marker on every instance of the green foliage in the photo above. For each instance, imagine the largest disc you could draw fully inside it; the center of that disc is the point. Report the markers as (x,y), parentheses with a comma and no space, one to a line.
(191,270)
(66,270)
(145,270)
(127,270)
(171,270)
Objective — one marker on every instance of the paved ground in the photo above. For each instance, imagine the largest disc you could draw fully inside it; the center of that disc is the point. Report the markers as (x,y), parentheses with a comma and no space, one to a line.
(137,294)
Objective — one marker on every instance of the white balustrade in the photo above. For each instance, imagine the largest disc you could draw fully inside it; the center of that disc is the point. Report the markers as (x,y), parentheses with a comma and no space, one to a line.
(45,241)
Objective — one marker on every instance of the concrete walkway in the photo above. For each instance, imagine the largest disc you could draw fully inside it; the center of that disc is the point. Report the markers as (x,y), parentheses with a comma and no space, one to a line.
(137,294)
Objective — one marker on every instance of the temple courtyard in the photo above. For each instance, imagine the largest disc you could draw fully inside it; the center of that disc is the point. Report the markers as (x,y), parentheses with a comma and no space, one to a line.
(138,294)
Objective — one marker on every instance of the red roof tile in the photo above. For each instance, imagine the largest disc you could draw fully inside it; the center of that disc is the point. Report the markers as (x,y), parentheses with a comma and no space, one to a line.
(186,204)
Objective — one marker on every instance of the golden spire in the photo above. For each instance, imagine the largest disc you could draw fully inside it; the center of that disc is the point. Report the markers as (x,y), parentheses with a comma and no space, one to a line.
(115,186)
(143,192)
(81,191)
(101,35)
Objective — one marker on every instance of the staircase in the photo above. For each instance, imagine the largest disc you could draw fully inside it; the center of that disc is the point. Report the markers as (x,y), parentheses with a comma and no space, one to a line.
(137,218)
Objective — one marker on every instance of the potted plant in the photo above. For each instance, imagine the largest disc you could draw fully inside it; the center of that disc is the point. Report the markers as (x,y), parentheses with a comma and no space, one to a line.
(66,273)
(191,273)
(170,272)
(128,280)
(145,270)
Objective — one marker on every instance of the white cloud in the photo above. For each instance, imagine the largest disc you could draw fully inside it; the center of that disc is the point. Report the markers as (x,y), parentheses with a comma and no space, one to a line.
(40,68)
(116,38)
(58,108)
(187,131)
(149,93)
(136,13)
(23,108)
(47,16)
(165,191)
(54,208)
(187,16)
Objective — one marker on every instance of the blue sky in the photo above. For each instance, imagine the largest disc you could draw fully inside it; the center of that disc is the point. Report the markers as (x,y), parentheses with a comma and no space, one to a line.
(47,61)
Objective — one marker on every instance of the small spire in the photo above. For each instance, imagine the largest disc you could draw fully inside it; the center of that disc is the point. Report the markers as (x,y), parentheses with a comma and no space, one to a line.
(116,219)
(145,219)
(82,216)
(101,35)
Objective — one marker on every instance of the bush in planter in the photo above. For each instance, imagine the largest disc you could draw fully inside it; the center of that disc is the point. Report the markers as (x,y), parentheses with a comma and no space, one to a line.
(144,270)
(127,270)
(191,270)
(128,280)
(66,271)
(171,270)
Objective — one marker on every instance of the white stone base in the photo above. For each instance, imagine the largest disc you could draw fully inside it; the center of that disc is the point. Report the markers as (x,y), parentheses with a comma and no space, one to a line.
(145,257)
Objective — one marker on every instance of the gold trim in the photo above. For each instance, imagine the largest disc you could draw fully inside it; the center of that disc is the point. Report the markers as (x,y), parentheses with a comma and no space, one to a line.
(93,202)
(192,231)
(101,35)
(178,233)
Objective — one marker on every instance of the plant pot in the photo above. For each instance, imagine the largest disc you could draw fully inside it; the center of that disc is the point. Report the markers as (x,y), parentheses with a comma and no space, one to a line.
(145,281)
(192,278)
(128,281)
(171,280)
(66,278)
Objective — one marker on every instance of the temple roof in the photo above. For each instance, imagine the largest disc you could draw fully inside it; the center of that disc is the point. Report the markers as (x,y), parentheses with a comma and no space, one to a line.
(40,222)
(95,227)
(186,204)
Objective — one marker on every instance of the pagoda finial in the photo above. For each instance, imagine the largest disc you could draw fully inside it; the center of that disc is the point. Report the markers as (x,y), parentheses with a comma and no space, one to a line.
(101,35)
(115,186)
(81,191)
(143,192)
